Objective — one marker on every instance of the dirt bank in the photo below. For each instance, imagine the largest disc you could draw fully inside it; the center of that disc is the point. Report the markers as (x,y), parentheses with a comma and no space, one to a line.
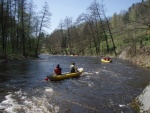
(14,57)
(142,58)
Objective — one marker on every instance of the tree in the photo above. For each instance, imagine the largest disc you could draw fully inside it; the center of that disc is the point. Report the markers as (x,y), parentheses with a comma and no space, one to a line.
(109,29)
(95,15)
(68,24)
(114,21)
(3,27)
(23,27)
(132,14)
(44,20)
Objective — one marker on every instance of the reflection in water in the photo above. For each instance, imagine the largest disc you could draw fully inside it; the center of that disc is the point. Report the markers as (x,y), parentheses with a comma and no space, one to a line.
(102,88)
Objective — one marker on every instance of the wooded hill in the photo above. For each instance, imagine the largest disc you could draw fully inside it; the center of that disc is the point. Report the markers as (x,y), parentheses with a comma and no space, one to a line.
(95,34)
(21,28)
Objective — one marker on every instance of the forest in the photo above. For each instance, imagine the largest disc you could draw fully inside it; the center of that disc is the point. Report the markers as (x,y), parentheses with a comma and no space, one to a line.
(92,34)
(21,28)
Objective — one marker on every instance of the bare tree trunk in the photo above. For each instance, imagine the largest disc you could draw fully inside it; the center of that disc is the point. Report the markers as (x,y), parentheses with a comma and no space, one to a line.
(29,25)
(11,28)
(101,24)
(68,23)
(114,47)
(44,19)
(22,30)
(3,28)
(18,46)
(90,23)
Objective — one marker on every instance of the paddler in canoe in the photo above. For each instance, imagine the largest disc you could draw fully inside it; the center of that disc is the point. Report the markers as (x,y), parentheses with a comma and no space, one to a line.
(74,72)
(106,59)
(73,68)
(57,71)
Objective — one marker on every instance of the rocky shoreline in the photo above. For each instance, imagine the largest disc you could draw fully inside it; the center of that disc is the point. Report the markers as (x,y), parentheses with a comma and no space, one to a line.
(141,57)
(143,100)
(141,103)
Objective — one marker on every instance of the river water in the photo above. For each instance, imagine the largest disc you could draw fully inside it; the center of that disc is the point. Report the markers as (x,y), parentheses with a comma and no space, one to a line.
(102,88)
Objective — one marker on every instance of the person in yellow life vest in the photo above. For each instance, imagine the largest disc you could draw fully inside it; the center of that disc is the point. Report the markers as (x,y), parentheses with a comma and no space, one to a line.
(73,68)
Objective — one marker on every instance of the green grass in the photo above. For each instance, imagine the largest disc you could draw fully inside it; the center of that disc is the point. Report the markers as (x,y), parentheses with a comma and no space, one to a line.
(136,105)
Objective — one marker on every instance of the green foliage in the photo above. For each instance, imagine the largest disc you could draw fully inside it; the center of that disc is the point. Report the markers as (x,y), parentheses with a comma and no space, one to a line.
(19,28)
(136,105)
(91,34)
(114,21)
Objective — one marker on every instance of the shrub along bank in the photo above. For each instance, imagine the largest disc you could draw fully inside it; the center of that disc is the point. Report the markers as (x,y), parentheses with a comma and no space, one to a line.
(141,58)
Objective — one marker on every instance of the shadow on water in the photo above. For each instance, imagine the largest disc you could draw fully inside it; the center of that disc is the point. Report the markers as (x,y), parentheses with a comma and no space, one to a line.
(102,88)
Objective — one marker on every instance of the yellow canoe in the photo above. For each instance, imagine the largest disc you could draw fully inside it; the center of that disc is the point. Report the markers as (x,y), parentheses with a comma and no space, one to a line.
(107,61)
(66,75)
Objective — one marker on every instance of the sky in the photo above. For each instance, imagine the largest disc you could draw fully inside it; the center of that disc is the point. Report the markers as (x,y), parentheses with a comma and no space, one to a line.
(61,9)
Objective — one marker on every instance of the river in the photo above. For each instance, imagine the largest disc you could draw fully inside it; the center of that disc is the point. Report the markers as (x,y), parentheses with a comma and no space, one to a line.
(102,88)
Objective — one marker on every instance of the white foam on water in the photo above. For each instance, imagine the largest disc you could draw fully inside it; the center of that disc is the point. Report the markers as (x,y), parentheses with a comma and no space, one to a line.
(97,72)
(10,105)
(90,84)
(49,90)
(87,77)
(20,102)
(87,73)
(122,105)
(80,69)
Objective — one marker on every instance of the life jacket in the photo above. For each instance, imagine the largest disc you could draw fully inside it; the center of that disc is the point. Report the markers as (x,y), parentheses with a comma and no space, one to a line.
(104,58)
(57,71)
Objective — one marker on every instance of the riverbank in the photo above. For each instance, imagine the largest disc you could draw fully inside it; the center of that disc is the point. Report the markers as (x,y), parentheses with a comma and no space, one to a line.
(141,103)
(11,57)
(142,100)
(141,58)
